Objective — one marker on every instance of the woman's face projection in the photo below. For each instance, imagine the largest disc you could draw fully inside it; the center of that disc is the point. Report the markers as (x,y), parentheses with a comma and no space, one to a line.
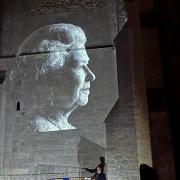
(74,80)
(56,92)
(59,78)
(80,77)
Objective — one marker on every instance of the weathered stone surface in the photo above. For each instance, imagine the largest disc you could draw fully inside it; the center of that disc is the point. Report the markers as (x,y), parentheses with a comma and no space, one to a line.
(97,18)
(40,7)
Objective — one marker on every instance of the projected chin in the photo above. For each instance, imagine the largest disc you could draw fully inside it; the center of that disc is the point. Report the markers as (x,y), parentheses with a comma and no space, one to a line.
(83,97)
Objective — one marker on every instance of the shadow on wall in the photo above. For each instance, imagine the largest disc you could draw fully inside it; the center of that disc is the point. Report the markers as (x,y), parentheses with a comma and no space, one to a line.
(88,155)
(147,172)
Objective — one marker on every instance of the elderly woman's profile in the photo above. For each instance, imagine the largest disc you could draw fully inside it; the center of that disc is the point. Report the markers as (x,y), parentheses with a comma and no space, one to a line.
(54,76)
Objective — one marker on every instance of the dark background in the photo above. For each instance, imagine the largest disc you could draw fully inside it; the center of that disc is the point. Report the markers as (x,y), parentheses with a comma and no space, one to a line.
(157,23)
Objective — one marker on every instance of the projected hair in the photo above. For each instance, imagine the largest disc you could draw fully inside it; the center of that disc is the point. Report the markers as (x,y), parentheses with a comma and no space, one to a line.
(56,41)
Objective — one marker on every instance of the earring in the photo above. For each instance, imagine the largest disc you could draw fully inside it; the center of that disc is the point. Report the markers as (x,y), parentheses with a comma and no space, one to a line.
(51,97)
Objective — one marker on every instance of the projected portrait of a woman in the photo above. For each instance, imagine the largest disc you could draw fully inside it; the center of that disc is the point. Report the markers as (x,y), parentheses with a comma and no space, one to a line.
(54,75)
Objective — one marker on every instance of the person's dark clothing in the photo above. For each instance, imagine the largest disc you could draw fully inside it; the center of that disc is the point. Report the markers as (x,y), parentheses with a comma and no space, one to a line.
(95,169)
(100,176)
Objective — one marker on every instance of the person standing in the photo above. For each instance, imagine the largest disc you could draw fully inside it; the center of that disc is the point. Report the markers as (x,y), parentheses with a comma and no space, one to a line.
(100,166)
(99,174)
